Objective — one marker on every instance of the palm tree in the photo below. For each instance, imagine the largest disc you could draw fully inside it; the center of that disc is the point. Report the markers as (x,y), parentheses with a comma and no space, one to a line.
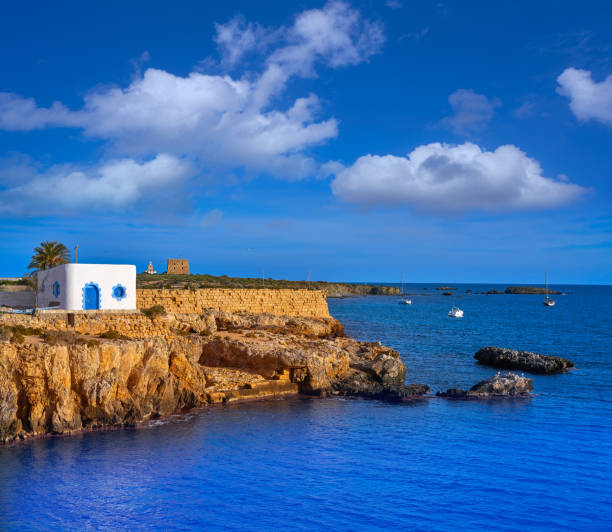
(48,255)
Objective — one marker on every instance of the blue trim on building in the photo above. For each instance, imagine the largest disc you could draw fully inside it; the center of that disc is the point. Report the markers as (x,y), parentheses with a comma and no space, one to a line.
(85,298)
(119,292)
(56,289)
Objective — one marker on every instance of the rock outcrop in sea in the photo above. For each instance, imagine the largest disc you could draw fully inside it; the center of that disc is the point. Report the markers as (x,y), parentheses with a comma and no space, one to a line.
(531,290)
(500,385)
(502,358)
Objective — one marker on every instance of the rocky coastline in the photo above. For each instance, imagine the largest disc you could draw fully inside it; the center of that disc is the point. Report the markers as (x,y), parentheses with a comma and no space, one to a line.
(56,382)
(59,382)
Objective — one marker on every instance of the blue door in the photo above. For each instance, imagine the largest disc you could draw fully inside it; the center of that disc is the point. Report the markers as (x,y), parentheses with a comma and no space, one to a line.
(91,297)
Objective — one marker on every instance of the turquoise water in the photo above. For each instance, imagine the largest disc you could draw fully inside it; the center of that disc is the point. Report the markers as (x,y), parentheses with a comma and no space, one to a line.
(543,463)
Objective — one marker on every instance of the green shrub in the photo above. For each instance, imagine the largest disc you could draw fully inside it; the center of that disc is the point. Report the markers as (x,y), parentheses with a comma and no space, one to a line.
(18,282)
(113,335)
(155,310)
(17,338)
(5,334)
(60,337)
(27,331)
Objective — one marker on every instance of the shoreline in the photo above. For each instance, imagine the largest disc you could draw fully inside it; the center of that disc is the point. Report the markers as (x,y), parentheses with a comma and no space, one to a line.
(151,423)
(59,374)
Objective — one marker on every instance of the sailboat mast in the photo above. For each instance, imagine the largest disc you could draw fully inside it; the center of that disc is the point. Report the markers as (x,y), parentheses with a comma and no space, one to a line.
(546,289)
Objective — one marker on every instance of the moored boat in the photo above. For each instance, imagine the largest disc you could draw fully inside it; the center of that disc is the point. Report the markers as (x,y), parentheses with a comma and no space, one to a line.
(455,312)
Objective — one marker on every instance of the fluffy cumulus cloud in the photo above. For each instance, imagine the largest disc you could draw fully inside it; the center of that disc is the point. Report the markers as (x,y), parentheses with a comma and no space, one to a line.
(453,179)
(589,100)
(117,184)
(471,111)
(213,121)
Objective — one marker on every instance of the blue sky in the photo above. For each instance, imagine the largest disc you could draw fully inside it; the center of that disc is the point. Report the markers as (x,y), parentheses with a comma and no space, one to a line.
(460,141)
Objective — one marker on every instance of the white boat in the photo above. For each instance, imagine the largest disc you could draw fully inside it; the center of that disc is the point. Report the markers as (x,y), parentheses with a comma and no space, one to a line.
(455,312)
(405,301)
(549,302)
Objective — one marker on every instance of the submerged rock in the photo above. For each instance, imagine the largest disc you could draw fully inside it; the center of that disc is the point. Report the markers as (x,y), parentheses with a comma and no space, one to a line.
(522,360)
(501,385)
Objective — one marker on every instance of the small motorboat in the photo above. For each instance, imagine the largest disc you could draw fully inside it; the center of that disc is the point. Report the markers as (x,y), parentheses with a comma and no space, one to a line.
(405,302)
(455,312)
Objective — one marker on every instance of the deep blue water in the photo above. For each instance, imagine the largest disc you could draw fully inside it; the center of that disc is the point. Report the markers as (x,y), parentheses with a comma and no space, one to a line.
(543,463)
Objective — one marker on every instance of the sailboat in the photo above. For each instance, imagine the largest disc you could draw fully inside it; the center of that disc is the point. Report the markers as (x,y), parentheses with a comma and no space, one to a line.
(404,301)
(547,300)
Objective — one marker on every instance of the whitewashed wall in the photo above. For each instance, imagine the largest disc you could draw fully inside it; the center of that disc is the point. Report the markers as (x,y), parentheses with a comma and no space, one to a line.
(72,278)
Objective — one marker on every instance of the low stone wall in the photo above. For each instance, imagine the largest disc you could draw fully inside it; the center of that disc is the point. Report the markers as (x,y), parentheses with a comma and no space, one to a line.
(186,310)
(283,302)
(132,324)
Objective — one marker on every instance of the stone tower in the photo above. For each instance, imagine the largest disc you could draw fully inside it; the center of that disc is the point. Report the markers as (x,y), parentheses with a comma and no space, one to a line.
(178,266)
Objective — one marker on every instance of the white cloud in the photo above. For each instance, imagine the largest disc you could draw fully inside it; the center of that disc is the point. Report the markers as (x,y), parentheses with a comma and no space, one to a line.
(238,37)
(22,114)
(213,121)
(211,218)
(472,111)
(337,35)
(114,184)
(393,4)
(589,100)
(453,179)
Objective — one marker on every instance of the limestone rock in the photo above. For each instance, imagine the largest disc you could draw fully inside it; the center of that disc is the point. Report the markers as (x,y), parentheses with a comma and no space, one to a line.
(501,385)
(522,360)
(92,382)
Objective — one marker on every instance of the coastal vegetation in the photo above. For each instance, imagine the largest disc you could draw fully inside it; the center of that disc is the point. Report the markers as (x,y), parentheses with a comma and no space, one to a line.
(16,282)
(195,281)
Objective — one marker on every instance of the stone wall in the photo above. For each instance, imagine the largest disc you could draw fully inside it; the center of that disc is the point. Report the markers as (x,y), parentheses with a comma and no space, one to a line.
(132,324)
(284,302)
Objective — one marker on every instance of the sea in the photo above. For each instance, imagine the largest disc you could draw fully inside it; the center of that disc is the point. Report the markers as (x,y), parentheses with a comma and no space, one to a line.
(541,463)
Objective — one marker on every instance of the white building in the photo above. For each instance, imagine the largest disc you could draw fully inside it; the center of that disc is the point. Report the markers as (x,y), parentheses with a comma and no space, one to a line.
(88,287)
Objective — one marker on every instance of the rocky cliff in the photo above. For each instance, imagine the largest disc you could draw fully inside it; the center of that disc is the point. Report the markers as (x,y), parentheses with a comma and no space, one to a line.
(63,381)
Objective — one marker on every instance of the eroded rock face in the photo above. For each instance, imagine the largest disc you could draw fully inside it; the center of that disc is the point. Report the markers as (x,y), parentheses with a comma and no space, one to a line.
(313,327)
(83,382)
(522,360)
(501,385)
(62,388)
